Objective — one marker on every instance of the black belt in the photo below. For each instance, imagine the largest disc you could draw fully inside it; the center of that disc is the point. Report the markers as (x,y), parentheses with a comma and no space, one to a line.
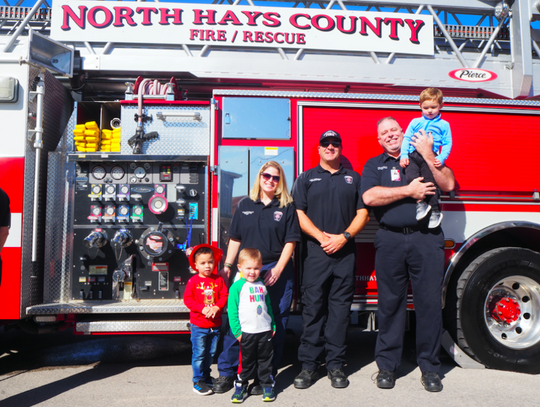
(406,230)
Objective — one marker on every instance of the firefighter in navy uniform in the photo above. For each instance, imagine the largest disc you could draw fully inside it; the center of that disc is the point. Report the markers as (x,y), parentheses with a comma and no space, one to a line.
(331,213)
(405,249)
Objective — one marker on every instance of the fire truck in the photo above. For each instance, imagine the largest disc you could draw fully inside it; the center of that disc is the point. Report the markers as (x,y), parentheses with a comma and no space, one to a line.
(199,96)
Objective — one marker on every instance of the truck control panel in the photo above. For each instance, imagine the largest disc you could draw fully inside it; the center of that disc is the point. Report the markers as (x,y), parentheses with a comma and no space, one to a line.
(133,221)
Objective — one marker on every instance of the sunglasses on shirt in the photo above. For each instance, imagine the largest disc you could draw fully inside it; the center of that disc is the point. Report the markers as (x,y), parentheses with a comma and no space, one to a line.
(327,143)
(267,177)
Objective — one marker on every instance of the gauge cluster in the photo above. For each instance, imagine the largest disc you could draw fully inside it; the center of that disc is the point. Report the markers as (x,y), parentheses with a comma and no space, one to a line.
(134,220)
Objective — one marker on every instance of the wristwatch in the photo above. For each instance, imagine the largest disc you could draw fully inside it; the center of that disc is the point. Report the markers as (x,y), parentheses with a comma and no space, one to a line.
(347,235)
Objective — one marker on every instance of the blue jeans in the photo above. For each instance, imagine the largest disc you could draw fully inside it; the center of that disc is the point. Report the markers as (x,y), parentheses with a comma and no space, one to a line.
(281,297)
(204,344)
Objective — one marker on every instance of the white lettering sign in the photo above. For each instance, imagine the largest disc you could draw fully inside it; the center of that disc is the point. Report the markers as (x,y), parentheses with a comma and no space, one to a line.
(224,25)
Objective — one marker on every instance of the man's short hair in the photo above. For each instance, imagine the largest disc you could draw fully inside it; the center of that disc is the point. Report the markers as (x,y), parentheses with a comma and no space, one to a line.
(249,253)
(383,119)
(431,94)
(202,250)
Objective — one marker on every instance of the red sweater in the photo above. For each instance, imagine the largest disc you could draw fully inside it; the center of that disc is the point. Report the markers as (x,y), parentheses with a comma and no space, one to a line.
(205,292)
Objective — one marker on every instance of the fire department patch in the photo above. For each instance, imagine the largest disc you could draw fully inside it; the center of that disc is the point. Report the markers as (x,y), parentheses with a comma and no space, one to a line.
(278,215)
(348,179)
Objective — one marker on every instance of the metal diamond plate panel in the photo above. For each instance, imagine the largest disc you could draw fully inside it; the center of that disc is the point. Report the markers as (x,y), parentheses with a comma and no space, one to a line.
(133,326)
(58,225)
(109,307)
(178,135)
(57,106)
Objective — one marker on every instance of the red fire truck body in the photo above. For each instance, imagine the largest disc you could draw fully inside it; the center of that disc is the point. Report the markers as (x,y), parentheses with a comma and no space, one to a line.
(98,237)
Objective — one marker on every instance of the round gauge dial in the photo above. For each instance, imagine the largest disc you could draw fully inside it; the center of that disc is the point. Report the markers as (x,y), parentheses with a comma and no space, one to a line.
(139,172)
(117,172)
(124,189)
(123,210)
(96,189)
(160,189)
(96,210)
(109,210)
(147,166)
(132,166)
(99,172)
(137,210)
(110,189)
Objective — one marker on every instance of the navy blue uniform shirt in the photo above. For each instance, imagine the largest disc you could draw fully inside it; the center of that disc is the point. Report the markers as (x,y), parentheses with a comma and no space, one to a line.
(329,200)
(385,171)
(265,227)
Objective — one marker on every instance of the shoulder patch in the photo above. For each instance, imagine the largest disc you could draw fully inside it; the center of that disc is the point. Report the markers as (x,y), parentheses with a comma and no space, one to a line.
(348,179)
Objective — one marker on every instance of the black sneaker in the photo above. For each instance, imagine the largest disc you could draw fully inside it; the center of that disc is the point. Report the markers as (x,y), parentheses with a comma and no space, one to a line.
(256,390)
(223,384)
(386,379)
(202,388)
(338,378)
(431,381)
(305,379)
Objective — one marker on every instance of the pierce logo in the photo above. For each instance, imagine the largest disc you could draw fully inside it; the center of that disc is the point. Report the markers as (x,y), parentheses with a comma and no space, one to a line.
(473,75)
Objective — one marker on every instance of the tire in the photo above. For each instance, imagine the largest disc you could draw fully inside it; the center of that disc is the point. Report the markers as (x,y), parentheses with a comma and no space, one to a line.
(498,310)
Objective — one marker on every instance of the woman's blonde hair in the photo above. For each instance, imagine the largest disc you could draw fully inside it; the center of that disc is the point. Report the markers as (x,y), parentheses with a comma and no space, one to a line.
(282,192)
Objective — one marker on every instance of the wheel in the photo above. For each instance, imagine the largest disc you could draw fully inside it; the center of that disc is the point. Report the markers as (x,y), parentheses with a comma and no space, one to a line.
(498,310)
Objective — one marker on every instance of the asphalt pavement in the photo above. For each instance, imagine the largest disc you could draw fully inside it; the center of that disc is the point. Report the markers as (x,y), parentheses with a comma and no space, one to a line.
(131,370)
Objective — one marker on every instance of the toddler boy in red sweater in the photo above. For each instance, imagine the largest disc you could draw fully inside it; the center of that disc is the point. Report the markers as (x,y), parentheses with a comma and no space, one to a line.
(206,295)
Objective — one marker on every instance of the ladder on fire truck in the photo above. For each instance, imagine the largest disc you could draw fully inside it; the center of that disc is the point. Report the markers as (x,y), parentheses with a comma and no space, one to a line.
(499,39)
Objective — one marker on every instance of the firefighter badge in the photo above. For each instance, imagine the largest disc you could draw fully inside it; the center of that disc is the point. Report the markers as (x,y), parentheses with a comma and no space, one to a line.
(348,179)
(278,215)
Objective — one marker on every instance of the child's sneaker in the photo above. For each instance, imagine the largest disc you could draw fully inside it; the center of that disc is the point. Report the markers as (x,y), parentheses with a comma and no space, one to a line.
(422,209)
(268,394)
(240,392)
(209,381)
(202,388)
(435,220)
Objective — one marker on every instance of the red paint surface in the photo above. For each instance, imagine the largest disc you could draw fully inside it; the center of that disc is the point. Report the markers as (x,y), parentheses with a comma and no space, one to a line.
(12,182)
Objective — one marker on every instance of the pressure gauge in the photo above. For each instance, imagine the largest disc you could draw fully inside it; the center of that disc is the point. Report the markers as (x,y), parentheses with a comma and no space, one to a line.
(95,210)
(123,210)
(132,166)
(109,210)
(110,189)
(137,210)
(117,172)
(99,172)
(124,189)
(147,166)
(96,189)
(160,189)
(139,172)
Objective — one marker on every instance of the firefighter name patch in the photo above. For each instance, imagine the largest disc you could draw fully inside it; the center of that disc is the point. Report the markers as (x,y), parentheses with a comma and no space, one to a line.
(395,174)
